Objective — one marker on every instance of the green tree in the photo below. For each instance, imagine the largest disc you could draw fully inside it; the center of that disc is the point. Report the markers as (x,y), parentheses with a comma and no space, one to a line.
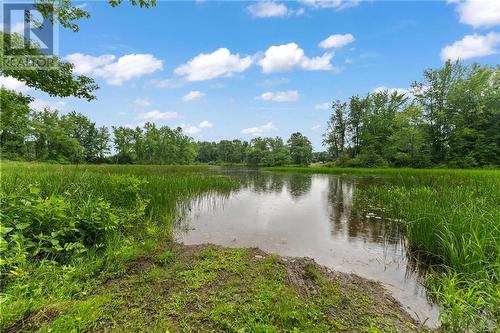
(407,142)
(60,81)
(300,149)
(14,123)
(432,96)
(379,124)
(207,152)
(474,103)
(50,140)
(79,127)
(357,108)
(335,136)
(279,154)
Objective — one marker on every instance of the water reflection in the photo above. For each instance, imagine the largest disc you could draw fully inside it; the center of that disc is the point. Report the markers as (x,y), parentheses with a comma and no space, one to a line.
(355,224)
(313,216)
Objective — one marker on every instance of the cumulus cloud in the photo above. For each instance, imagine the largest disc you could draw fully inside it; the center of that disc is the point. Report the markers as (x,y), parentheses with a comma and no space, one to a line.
(484,13)
(115,71)
(325,4)
(158,115)
(268,9)
(259,130)
(472,46)
(323,106)
(280,96)
(41,104)
(142,102)
(281,58)
(192,95)
(11,83)
(87,64)
(336,41)
(212,65)
(195,129)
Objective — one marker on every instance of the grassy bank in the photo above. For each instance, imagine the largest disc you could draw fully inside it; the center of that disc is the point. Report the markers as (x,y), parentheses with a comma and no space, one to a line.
(65,229)
(452,221)
(88,248)
(211,289)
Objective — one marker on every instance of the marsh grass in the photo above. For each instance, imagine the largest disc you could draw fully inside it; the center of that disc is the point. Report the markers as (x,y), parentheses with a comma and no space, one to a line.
(452,221)
(67,228)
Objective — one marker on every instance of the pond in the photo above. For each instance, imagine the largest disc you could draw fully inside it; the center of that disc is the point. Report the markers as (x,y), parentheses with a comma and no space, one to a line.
(302,215)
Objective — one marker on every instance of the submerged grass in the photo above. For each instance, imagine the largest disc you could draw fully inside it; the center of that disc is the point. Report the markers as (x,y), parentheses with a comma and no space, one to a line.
(452,221)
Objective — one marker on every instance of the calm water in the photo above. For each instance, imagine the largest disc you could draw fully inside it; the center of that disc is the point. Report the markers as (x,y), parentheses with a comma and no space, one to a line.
(309,216)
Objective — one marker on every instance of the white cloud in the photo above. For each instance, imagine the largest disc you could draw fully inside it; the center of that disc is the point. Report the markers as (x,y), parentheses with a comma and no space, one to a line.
(336,41)
(259,130)
(41,104)
(268,9)
(157,115)
(11,83)
(316,127)
(142,102)
(280,96)
(192,95)
(479,13)
(280,58)
(325,4)
(472,46)
(87,64)
(115,71)
(323,106)
(194,129)
(392,90)
(205,124)
(212,65)
(129,67)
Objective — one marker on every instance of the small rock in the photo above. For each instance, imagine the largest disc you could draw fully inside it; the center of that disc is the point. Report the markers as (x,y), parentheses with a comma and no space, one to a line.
(258,256)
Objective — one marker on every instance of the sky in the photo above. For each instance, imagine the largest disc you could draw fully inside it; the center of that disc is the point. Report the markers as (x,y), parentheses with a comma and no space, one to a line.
(235,69)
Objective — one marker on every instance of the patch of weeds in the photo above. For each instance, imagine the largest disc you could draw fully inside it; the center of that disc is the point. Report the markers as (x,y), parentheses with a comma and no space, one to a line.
(164,258)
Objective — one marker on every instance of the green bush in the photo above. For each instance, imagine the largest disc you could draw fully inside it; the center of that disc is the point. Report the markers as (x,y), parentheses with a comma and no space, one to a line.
(57,226)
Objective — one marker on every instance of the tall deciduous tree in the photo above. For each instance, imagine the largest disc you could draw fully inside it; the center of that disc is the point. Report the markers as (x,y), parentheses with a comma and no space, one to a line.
(300,149)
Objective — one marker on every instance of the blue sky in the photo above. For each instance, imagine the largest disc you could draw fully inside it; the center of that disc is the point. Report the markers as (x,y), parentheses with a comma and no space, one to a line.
(240,69)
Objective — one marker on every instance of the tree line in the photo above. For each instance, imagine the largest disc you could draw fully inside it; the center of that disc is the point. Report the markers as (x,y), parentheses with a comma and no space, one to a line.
(451,118)
(73,138)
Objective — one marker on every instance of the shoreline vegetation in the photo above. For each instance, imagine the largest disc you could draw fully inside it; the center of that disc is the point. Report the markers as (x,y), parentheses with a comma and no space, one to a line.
(452,225)
(84,245)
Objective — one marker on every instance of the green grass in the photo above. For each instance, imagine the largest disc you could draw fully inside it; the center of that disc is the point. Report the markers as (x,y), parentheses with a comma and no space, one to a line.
(89,247)
(65,229)
(452,220)
(210,289)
